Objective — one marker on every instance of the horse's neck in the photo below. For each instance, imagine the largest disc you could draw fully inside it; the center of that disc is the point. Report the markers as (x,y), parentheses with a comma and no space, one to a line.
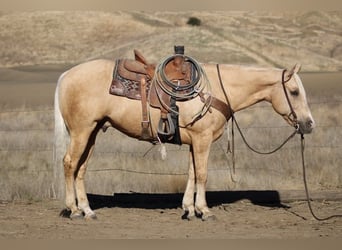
(246,86)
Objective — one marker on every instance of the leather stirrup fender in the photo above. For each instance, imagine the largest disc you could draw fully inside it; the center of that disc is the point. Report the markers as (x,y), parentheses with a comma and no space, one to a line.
(145,123)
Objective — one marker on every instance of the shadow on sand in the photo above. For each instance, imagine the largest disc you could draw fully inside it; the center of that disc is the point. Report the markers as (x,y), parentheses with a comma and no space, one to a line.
(169,201)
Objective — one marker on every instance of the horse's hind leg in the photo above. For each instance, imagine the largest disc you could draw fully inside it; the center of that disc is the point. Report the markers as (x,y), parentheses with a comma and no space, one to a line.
(73,160)
(82,199)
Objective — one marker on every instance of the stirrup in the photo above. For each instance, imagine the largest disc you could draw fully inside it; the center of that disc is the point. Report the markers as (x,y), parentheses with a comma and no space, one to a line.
(166,128)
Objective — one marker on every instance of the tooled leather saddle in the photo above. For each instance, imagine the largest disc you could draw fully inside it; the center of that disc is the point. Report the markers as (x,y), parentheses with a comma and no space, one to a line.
(128,74)
(133,79)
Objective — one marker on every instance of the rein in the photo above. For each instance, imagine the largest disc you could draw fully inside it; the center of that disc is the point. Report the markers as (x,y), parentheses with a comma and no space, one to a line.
(296,126)
(308,199)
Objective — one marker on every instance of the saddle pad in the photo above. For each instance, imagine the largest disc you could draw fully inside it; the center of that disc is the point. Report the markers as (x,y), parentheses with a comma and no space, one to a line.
(126,83)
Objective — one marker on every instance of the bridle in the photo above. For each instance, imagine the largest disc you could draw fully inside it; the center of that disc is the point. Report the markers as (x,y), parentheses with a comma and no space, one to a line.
(292,114)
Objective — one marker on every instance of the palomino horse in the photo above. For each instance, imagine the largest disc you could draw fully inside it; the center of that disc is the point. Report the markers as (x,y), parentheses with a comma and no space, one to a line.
(83,105)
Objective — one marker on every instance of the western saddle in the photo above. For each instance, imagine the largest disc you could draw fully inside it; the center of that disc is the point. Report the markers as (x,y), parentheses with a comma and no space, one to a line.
(134,79)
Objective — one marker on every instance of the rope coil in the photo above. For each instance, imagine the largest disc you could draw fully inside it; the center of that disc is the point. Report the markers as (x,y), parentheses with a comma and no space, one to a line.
(181,92)
(178,87)
(199,83)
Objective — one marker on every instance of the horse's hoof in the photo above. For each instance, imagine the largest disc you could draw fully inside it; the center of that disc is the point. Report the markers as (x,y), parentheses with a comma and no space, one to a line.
(90,217)
(65,213)
(209,217)
(76,215)
(191,217)
(188,216)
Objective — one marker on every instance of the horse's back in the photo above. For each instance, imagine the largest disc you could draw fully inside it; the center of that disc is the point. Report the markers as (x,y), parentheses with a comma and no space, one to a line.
(88,72)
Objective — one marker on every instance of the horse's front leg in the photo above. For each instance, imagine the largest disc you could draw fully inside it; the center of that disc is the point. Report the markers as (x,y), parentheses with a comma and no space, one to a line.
(201,149)
(188,198)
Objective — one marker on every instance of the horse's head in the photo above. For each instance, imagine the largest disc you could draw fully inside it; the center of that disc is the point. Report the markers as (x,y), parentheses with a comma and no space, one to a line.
(289,100)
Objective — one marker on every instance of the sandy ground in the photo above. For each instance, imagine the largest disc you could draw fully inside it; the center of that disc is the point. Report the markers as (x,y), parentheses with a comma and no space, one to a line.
(135,220)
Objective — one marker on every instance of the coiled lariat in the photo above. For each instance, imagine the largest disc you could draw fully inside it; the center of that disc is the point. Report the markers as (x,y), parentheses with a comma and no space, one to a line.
(184,89)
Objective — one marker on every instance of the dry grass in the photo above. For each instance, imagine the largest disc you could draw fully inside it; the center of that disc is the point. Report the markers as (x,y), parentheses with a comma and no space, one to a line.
(263,38)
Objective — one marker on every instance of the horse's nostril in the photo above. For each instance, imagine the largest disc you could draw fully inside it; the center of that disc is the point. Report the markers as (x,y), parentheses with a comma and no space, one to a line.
(310,124)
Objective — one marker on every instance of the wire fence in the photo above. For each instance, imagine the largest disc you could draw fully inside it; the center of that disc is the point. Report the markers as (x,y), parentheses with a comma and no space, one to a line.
(16,131)
(26,146)
(29,148)
(319,101)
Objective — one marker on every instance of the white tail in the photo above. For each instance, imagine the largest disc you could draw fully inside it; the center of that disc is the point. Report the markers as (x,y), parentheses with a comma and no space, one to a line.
(61,138)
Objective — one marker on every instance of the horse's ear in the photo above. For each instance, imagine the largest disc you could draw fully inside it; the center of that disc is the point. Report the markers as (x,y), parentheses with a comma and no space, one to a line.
(289,73)
(297,68)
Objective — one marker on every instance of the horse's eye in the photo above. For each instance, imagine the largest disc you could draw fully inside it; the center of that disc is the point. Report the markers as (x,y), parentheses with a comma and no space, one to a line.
(294,92)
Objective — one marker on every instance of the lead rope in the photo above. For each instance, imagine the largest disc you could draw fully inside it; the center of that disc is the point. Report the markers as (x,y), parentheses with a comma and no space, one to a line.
(307,189)
(268,152)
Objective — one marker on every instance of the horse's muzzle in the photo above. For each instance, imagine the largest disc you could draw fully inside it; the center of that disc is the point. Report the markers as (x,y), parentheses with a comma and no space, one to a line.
(306,126)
